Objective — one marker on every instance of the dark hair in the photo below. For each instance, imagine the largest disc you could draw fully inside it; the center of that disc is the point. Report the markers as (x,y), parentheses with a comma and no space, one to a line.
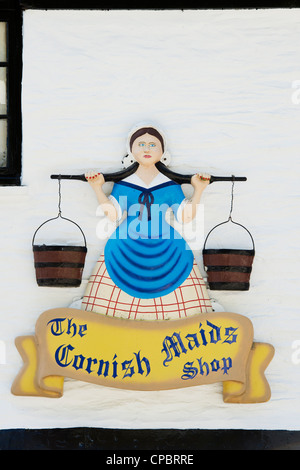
(119,175)
(146,130)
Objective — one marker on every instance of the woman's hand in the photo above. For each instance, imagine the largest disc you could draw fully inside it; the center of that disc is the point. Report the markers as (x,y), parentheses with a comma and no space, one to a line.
(200,181)
(95,179)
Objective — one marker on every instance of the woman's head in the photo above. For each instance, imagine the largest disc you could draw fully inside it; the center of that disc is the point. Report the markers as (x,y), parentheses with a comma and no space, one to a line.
(146,145)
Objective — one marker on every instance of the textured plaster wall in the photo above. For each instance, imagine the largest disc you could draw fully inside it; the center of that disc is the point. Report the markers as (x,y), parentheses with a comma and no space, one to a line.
(224,87)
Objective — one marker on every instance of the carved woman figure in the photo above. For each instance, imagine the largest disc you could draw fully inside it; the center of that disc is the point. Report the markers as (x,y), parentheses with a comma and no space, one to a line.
(147,270)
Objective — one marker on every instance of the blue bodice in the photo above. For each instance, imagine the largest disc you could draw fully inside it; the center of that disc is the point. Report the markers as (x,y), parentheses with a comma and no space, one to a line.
(145,256)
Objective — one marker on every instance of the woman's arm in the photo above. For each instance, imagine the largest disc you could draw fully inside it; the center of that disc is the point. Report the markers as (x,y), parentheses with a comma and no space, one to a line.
(199,181)
(96,181)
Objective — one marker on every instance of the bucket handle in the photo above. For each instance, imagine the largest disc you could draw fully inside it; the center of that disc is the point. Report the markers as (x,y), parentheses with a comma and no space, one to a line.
(54,218)
(59,215)
(226,222)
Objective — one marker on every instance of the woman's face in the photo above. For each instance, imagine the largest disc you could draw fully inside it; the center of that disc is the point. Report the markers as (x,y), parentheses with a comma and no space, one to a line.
(147,150)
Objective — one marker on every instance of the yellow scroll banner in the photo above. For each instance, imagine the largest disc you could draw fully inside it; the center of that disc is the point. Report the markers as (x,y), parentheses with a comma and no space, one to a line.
(144,355)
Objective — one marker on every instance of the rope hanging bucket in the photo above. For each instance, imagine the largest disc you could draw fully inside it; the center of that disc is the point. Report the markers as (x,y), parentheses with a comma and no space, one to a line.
(59,265)
(227,268)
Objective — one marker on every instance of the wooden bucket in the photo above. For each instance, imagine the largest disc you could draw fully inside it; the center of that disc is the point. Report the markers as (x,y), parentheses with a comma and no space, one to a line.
(59,265)
(228,269)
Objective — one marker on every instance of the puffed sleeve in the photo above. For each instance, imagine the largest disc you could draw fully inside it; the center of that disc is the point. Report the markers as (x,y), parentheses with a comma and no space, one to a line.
(118,197)
(177,200)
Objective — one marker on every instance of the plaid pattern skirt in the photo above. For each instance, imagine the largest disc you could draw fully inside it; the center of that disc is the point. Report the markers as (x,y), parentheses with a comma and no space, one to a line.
(103,296)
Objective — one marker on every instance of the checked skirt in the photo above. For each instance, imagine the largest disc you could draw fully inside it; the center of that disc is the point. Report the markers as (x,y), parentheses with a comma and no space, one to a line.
(103,296)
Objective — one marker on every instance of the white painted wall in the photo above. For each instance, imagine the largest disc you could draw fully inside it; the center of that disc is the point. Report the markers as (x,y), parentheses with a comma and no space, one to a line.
(224,85)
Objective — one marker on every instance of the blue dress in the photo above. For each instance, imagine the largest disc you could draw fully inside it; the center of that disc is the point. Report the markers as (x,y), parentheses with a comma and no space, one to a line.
(145,256)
